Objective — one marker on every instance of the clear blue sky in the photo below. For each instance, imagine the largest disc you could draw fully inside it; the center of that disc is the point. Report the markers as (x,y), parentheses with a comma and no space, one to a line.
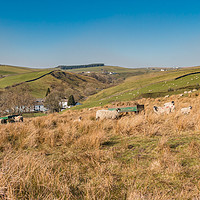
(129,33)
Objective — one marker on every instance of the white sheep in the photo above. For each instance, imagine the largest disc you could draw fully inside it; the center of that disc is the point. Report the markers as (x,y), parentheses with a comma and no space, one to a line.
(18,118)
(186,110)
(106,114)
(161,110)
(170,105)
(78,120)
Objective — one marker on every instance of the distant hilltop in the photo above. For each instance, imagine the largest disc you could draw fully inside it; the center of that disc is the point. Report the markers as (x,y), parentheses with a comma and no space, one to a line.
(80,66)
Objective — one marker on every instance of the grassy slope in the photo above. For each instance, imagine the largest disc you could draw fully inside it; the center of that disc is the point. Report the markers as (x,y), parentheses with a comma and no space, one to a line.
(136,86)
(108,68)
(136,157)
(11,80)
(39,87)
(121,71)
(10,70)
(15,75)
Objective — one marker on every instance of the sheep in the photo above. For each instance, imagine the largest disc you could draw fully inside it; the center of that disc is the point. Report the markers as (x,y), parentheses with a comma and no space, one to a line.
(107,114)
(166,96)
(78,120)
(161,110)
(170,105)
(186,110)
(18,118)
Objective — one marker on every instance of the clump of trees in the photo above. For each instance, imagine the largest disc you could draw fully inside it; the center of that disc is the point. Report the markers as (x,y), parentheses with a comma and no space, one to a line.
(16,100)
(52,101)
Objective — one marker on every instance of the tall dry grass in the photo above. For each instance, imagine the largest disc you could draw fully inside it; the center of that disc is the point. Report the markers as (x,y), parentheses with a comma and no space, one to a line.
(144,156)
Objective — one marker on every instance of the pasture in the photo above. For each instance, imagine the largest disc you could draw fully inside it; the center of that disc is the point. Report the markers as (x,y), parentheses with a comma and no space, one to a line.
(136,157)
(13,70)
(12,80)
(148,85)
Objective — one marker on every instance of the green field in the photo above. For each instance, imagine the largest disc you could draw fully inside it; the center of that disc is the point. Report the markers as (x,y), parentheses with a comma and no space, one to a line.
(67,80)
(121,72)
(148,85)
(11,70)
(11,80)
(140,82)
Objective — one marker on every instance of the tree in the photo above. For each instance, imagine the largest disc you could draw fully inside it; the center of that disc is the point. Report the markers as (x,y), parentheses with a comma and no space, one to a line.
(71,101)
(48,92)
(16,100)
(52,101)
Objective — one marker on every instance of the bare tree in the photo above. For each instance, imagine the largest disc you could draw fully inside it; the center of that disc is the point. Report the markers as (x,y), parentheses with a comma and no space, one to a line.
(52,101)
(15,101)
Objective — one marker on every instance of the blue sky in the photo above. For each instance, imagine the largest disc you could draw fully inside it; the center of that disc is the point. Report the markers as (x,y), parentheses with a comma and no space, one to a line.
(129,33)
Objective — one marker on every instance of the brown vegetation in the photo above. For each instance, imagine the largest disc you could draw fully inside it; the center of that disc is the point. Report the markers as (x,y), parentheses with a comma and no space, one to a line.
(16,100)
(144,156)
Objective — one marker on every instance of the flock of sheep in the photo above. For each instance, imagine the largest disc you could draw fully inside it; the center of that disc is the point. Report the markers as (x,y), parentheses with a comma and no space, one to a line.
(166,109)
(170,107)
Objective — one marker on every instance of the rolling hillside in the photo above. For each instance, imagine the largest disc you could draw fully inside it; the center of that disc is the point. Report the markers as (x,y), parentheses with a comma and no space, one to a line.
(39,80)
(135,157)
(121,72)
(13,70)
(20,78)
(148,85)
(138,82)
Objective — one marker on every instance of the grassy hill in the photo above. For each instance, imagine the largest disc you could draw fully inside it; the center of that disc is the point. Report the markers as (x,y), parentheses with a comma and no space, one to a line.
(137,82)
(135,157)
(147,85)
(69,81)
(11,70)
(122,72)
(13,76)
(39,80)
(20,78)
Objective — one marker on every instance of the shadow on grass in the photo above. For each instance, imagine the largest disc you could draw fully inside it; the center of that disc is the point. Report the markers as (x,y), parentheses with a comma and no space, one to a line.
(109,143)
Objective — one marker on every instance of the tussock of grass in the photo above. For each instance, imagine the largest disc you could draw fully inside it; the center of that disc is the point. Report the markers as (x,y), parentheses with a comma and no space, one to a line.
(136,157)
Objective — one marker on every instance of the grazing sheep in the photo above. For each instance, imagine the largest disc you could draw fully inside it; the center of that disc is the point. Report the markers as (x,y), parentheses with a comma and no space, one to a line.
(161,110)
(189,92)
(185,92)
(106,114)
(78,120)
(181,95)
(186,110)
(166,96)
(170,105)
(194,90)
(18,118)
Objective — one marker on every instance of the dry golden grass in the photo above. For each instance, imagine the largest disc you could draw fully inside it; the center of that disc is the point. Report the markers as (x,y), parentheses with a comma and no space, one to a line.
(144,156)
